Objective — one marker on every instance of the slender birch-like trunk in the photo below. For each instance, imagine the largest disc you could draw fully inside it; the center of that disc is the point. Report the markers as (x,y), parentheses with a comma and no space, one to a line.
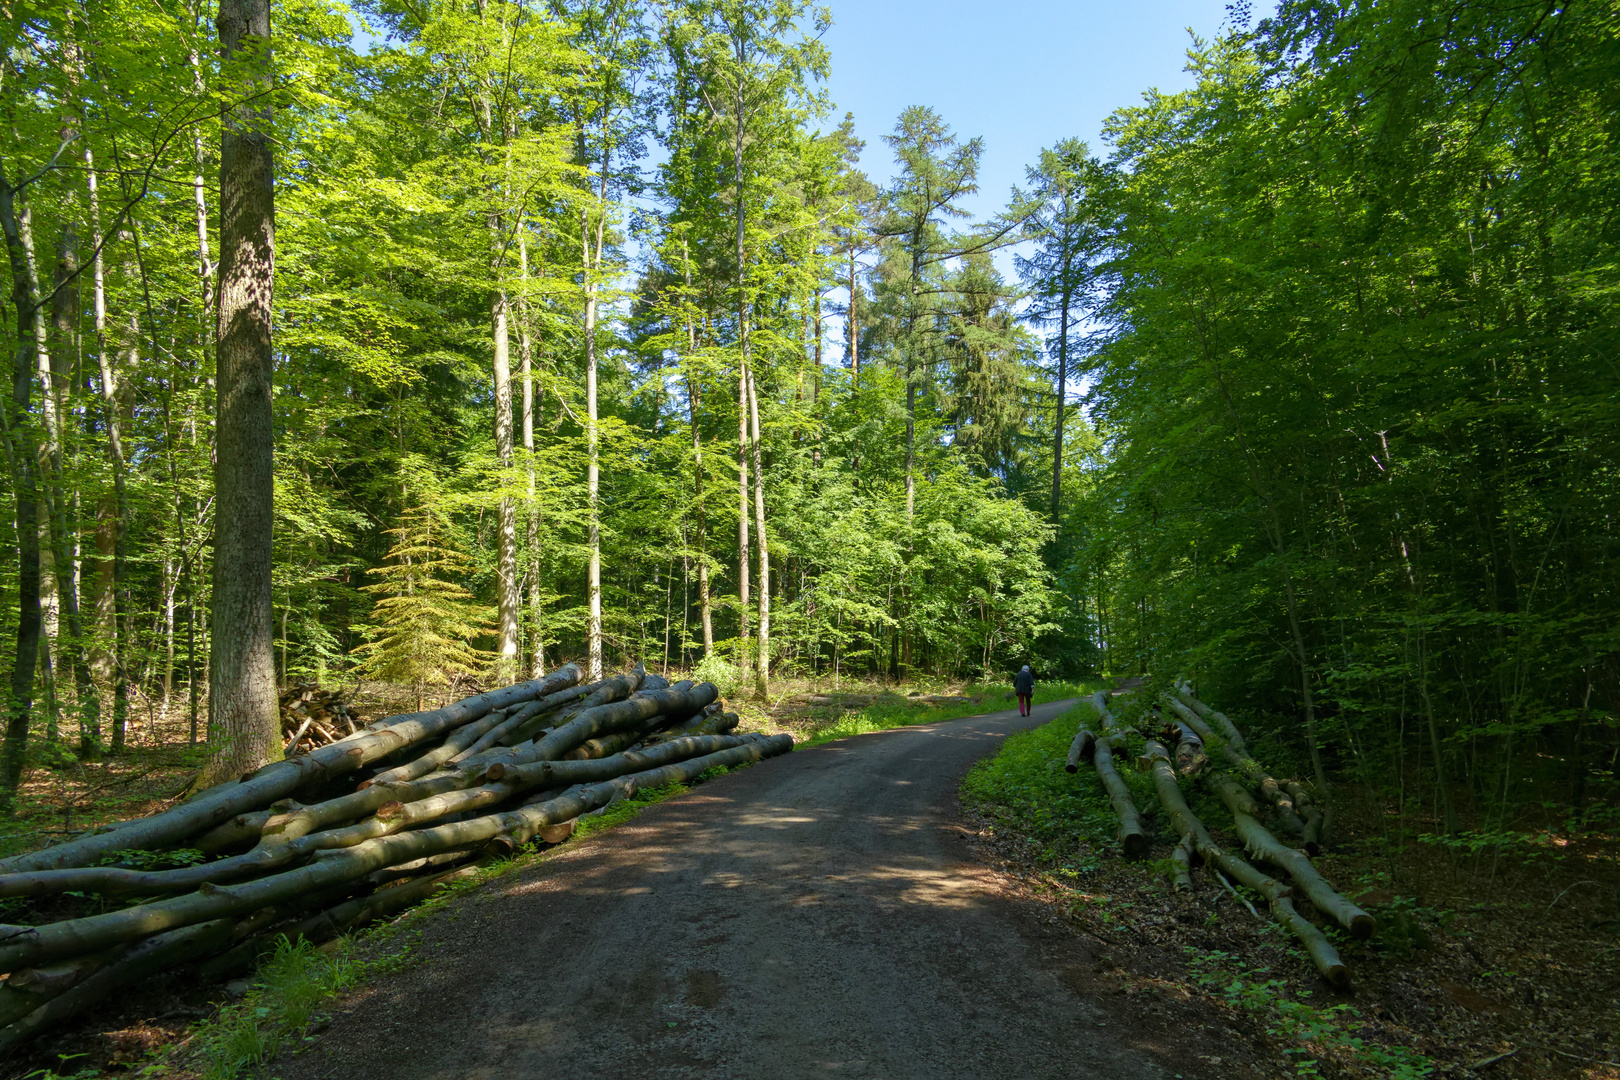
(762,668)
(537,640)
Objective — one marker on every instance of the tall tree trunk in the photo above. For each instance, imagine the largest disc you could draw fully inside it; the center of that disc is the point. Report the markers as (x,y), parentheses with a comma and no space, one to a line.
(242,677)
(1062,404)
(743,553)
(739,113)
(593,583)
(56,378)
(762,668)
(506,556)
(854,336)
(537,640)
(19,448)
(107,664)
(694,402)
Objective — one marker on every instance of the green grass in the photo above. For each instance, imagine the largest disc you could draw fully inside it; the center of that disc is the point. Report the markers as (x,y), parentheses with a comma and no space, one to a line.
(881,716)
(1026,787)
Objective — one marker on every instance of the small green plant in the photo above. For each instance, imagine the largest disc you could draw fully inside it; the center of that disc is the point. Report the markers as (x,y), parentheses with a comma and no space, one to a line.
(1313,1028)
(289,987)
(716,669)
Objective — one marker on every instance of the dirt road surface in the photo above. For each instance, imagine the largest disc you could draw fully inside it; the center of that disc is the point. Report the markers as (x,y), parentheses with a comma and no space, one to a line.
(817,915)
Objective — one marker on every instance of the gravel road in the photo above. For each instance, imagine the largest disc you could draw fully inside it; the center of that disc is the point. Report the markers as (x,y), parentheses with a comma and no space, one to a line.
(817,915)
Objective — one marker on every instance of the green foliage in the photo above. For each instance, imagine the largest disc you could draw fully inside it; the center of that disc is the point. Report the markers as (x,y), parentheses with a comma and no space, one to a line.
(1358,283)
(426,623)
(1315,1030)
(1026,782)
(288,989)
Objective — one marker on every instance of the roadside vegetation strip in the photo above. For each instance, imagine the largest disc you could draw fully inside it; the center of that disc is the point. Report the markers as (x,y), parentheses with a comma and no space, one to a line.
(985,698)
(1061,829)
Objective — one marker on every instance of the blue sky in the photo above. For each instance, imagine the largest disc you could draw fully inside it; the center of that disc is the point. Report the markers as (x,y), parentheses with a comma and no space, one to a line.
(1021,74)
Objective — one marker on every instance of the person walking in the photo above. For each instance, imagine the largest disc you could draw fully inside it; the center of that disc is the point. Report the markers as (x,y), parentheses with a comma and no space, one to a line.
(1024,687)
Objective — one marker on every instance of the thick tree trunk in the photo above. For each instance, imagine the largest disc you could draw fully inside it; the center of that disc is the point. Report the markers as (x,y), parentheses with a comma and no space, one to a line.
(20,457)
(246,721)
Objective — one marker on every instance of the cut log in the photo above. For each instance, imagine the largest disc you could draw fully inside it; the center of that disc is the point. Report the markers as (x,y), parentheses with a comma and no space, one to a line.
(133,964)
(1322,954)
(1132,836)
(1190,756)
(1081,749)
(1261,844)
(464,736)
(624,715)
(218,804)
(542,774)
(613,688)
(1237,754)
(705,723)
(29,946)
(1315,820)
(1181,865)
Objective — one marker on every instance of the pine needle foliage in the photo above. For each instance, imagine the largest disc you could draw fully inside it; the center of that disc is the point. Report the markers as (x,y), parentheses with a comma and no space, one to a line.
(426,623)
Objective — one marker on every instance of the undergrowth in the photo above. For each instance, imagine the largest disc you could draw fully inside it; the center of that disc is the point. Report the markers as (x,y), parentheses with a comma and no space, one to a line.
(1026,787)
(883,715)
(1024,790)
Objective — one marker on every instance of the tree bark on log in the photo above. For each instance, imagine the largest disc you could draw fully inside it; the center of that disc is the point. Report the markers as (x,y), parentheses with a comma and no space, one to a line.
(1237,754)
(704,723)
(276,781)
(542,774)
(133,964)
(1132,836)
(1194,835)
(1081,749)
(1261,844)
(29,946)
(600,720)
(325,925)
(613,688)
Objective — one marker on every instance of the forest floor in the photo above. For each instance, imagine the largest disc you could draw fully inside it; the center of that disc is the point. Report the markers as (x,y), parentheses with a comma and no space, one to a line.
(1500,961)
(1498,958)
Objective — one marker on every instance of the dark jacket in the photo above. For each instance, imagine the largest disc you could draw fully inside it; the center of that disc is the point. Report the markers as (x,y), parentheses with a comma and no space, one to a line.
(1024,682)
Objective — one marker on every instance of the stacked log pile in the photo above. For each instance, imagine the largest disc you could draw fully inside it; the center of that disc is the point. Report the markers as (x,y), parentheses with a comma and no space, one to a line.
(355,830)
(1186,747)
(312,717)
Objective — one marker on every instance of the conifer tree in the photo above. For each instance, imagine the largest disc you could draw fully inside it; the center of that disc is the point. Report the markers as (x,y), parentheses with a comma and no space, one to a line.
(425,622)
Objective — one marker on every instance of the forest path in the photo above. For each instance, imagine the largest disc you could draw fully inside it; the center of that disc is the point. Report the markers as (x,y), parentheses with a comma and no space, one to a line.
(817,915)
